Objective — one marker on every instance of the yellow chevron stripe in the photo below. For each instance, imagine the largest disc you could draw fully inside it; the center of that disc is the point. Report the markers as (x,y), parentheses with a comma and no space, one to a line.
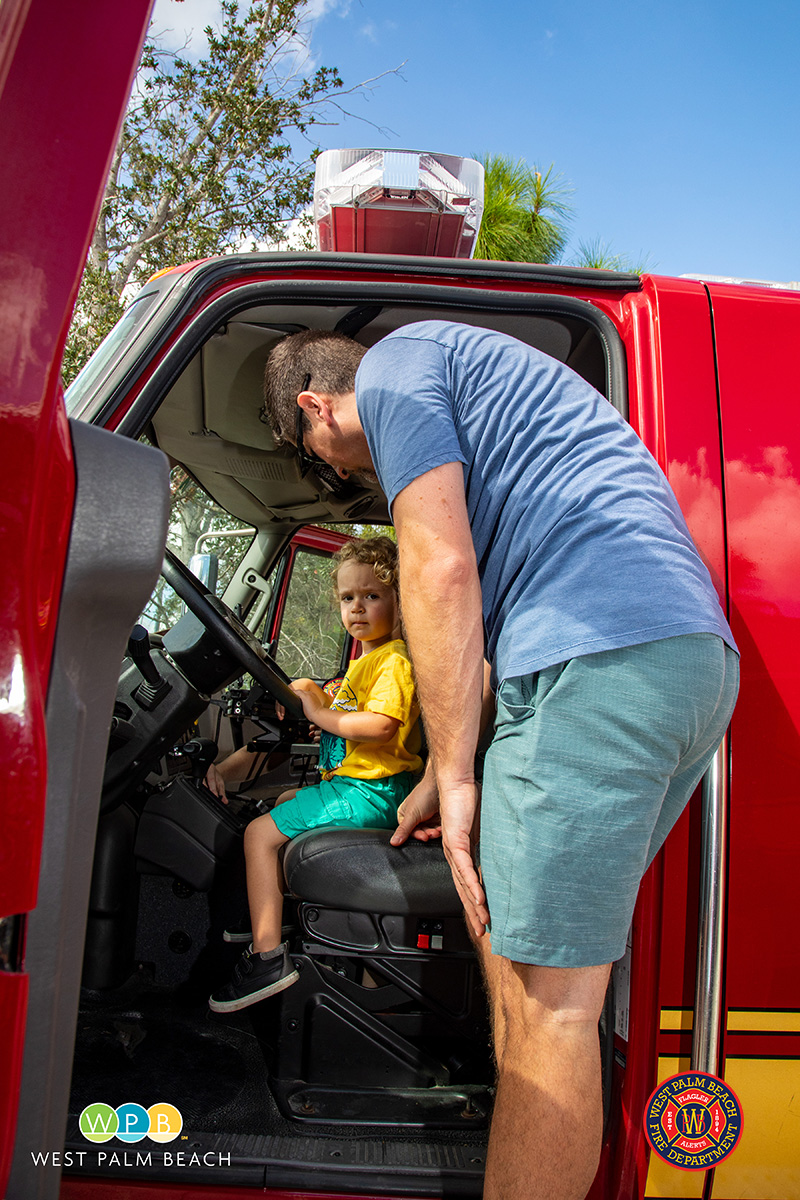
(766,1162)
(673,1020)
(678,1020)
(774,1021)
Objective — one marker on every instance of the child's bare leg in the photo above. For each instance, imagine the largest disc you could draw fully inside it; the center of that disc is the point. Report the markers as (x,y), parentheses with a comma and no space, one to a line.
(262,841)
(290,795)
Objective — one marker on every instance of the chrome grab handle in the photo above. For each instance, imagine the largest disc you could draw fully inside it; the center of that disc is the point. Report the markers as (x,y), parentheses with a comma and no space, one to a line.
(710,941)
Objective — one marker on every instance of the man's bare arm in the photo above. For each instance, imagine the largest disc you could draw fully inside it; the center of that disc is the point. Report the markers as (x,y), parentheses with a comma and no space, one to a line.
(442,614)
(418,815)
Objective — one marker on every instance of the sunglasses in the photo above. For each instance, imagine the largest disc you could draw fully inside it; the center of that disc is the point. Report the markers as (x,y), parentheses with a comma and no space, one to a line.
(309,461)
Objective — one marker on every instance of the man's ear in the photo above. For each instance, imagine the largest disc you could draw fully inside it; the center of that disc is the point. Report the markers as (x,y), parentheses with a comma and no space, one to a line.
(316,406)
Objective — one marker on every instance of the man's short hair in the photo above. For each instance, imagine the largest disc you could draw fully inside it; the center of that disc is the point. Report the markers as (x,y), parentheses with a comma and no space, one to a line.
(330,359)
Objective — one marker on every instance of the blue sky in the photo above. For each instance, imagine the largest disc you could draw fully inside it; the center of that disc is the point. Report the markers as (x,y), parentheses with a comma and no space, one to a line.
(675,123)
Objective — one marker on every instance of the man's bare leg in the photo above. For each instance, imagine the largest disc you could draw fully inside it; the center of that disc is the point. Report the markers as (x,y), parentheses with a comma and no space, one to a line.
(548,1118)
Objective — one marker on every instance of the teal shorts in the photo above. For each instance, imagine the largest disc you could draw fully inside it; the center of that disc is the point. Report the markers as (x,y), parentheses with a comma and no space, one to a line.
(592,762)
(346,802)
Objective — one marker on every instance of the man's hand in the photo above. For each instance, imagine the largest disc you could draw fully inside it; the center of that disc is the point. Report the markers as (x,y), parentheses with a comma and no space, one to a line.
(418,815)
(440,592)
(459,808)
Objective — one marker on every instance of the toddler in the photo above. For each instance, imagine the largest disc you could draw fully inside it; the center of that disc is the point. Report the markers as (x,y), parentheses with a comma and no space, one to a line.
(369,756)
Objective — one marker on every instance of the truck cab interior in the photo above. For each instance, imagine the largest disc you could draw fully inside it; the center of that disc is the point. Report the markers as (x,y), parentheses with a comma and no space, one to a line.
(373,1072)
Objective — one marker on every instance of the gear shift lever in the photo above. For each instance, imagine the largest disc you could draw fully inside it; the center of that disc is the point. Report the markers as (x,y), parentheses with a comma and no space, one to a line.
(201,753)
(154,686)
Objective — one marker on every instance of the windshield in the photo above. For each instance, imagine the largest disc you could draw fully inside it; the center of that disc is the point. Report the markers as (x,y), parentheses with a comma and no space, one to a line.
(81,399)
(205,538)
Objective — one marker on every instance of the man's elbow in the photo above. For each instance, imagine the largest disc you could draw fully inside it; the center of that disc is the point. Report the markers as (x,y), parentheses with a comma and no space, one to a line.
(444,569)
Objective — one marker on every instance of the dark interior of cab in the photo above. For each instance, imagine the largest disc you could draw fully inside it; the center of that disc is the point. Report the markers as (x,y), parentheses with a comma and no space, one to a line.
(372,1074)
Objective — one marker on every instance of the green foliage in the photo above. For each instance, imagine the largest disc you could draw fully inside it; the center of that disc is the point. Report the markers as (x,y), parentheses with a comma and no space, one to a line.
(312,634)
(526,215)
(366,531)
(205,162)
(97,311)
(598,254)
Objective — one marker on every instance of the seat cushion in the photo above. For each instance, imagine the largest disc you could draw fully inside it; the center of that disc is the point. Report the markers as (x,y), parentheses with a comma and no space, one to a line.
(359,871)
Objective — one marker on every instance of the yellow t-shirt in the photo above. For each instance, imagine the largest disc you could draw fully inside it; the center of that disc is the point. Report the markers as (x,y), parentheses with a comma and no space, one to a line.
(379,682)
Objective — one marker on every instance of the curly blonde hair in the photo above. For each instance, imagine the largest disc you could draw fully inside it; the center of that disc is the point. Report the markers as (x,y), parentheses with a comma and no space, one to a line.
(380,553)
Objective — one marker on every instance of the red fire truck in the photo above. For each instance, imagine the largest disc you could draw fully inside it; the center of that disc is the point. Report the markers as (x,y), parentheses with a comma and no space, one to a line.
(372,1076)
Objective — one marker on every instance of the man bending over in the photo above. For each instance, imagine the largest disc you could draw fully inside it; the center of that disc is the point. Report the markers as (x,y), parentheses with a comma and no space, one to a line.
(535,528)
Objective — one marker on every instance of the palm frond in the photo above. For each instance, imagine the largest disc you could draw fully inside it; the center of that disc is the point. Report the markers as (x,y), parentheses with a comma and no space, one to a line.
(599,255)
(526,212)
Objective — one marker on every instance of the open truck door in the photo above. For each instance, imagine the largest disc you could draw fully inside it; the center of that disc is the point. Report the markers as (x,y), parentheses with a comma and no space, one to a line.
(65,76)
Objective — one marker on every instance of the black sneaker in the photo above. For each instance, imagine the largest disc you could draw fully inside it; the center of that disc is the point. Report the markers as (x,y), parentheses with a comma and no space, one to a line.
(255,977)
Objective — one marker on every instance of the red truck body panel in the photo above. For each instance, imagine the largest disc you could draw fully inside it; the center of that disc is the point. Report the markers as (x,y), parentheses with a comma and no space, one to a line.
(713,393)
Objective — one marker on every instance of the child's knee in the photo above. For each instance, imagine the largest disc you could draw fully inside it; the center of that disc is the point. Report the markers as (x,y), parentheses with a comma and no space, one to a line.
(260,834)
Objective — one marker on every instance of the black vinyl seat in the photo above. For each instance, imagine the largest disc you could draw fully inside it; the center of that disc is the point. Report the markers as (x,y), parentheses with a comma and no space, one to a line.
(387,1024)
(358,870)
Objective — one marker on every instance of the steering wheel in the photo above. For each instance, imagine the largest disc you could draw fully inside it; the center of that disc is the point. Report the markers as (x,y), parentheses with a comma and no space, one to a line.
(231,633)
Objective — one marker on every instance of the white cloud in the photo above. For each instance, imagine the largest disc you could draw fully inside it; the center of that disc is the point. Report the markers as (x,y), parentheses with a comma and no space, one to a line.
(179,24)
(321,8)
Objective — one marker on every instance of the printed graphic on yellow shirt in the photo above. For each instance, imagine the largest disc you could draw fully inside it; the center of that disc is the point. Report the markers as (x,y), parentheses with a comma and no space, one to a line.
(332,748)
(380,682)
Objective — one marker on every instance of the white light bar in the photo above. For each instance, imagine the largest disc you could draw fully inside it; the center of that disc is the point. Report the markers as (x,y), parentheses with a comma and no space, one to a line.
(791,285)
(397,202)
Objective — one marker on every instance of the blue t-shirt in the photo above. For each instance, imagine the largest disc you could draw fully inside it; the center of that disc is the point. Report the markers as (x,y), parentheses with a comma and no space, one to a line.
(581,545)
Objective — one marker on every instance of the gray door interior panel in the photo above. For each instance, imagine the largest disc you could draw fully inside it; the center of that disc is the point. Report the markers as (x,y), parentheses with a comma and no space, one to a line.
(115,554)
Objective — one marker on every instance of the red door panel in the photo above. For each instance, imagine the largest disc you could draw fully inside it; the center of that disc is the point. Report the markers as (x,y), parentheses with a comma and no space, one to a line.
(65,74)
(757,334)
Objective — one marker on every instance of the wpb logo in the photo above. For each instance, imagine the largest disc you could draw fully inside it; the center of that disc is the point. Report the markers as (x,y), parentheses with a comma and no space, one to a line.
(130,1122)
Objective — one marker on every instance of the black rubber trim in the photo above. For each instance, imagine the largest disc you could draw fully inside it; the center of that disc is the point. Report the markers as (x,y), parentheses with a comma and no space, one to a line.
(12,943)
(410,264)
(387,265)
(345,291)
(722,459)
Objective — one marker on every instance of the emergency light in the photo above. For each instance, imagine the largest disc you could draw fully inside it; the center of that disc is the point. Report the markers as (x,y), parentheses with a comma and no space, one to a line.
(398,202)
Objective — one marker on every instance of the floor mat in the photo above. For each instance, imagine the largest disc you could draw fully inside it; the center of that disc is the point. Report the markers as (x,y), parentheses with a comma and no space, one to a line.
(215,1074)
(149,1045)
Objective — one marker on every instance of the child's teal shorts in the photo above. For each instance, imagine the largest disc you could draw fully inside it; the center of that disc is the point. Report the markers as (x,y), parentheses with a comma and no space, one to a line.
(344,801)
(592,763)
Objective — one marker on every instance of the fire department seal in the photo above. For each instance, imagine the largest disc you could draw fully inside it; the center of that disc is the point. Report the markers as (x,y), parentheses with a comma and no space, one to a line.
(693,1121)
